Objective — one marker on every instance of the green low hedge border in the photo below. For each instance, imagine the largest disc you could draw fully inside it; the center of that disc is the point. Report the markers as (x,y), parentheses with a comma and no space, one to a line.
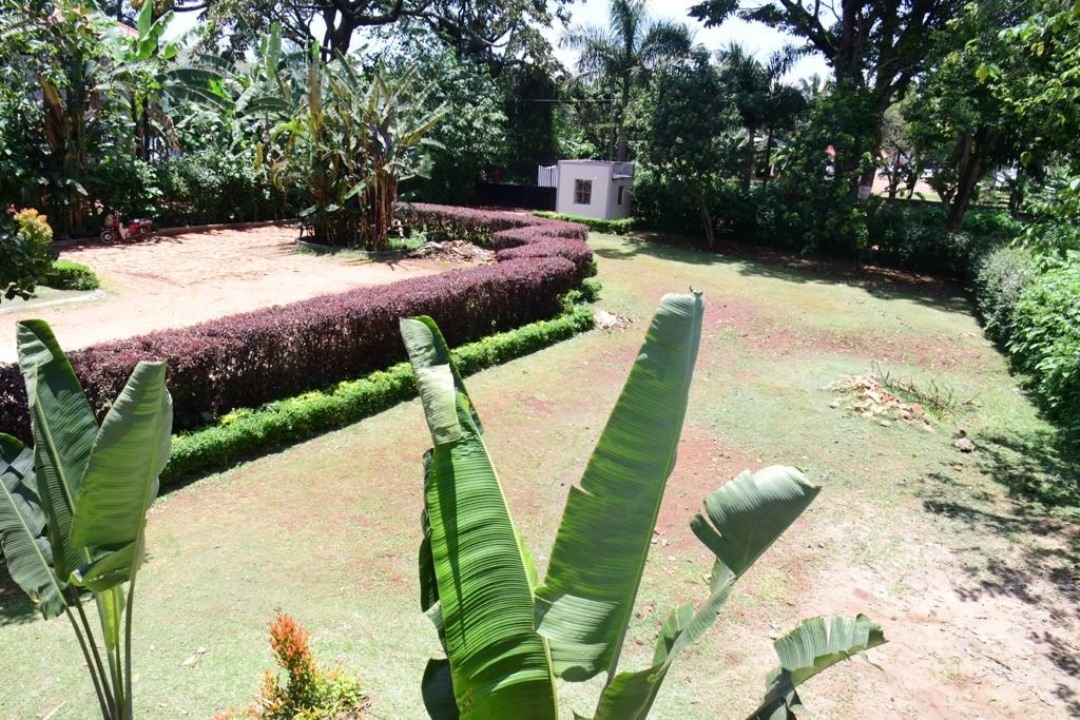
(246,434)
(620,226)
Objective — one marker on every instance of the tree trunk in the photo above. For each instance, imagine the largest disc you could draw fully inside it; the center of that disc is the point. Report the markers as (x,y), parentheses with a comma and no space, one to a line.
(767,160)
(621,150)
(969,171)
(748,176)
(706,221)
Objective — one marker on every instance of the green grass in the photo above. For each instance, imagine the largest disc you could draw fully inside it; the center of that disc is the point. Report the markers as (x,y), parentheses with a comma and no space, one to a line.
(327,530)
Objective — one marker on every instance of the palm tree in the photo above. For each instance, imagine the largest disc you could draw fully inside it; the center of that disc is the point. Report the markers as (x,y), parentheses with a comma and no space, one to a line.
(761,99)
(624,52)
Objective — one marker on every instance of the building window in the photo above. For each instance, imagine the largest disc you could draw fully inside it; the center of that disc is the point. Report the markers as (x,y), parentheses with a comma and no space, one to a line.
(583,192)
(621,188)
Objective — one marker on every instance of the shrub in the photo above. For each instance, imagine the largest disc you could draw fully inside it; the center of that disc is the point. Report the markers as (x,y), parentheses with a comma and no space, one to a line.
(308,692)
(68,275)
(913,236)
(1045,340)
(249,359)
(25,256)
(1000,279)
(619,226)
(247,433)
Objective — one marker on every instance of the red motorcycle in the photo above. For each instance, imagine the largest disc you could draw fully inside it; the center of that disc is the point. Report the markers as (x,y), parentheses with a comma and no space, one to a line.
(134,229)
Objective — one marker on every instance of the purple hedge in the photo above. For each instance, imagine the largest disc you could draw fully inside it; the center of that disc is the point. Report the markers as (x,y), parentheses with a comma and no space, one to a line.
(249,359)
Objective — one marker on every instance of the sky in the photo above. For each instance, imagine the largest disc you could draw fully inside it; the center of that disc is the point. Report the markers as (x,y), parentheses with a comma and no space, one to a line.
(755,37)
(760,40)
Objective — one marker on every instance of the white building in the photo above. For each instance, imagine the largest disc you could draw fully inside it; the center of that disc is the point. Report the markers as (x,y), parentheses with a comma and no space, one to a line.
(590,188)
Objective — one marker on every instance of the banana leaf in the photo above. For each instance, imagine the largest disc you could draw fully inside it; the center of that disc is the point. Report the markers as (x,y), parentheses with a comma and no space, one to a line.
(121,480)
(22,530)
(498,663)
(64,429)
(815,645)
(587,599)
(740,521)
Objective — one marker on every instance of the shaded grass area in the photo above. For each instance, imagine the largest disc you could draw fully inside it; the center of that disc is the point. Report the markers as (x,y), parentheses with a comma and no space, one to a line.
(328,529)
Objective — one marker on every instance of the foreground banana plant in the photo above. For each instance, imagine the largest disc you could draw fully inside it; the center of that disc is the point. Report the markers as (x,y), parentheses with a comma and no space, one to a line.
(507,637)
(73,508)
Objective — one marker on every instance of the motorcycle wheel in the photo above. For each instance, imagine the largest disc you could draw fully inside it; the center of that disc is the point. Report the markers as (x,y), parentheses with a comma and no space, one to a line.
(108,236)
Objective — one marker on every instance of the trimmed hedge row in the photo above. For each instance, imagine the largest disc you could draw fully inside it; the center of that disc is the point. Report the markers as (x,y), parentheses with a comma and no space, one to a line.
(514,236)
(1031,308)
(619,226)
(245,434)
(250,359)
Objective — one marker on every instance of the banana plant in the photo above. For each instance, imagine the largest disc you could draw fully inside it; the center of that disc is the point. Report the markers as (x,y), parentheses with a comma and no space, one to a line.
(73,507)
(508,637)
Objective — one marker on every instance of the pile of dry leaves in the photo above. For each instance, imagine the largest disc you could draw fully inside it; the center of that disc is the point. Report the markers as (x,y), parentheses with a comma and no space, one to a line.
(867,396)
(453,251)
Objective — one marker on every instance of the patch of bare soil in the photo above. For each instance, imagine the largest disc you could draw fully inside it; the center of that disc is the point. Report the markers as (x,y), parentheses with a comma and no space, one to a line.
(169,282)
(769,337)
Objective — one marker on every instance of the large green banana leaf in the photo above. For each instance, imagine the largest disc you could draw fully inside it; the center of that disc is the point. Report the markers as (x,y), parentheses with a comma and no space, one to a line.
(64,429)
(813,646)
(499,665)
(22,528)
(121,479)
(602,544)
(740,521)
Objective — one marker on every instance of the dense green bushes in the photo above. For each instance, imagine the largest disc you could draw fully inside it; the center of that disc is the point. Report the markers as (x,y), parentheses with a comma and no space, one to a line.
(1000,278)
(912,236)
(68,275)
(1045,340)
(909,235)
(25,255)
(1031,307)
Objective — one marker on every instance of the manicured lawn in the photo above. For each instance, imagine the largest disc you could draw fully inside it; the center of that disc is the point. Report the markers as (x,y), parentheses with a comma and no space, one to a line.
(977,592)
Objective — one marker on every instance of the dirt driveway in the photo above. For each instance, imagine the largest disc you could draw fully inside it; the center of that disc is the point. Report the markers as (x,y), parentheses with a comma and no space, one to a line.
(185,279)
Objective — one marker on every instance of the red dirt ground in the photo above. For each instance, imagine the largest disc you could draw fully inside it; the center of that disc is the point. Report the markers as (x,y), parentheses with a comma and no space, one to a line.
(185,279)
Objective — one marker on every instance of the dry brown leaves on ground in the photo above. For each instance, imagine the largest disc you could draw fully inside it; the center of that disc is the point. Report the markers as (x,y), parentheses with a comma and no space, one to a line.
(865,395)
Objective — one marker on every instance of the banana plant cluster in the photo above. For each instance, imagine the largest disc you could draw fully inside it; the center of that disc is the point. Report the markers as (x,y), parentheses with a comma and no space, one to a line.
(509,637)
(347,139)
(73,507)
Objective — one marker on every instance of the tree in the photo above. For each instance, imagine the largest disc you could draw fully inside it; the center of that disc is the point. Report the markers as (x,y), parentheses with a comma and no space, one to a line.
(507,637)
(478,29)
(472,135)
(959,124)
(690,113)
(762,100)
(876,49)
(624,53)
(1046,108)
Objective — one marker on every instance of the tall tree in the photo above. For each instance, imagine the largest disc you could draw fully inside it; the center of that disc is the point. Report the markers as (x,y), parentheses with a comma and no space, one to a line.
(690,114)
(762,99)
(625,52)
(478,29)
(875,47)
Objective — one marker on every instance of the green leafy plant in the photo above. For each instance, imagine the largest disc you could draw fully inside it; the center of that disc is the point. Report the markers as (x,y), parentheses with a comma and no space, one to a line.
(73,508)
(25,256)
(507,637)
(308,692)
(68,275)
(618,226)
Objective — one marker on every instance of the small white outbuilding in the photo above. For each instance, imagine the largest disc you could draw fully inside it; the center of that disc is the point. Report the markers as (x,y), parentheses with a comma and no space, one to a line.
(590,188)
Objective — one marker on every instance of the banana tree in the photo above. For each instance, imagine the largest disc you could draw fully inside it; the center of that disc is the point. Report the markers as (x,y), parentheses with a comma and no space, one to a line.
(73,507)
(506,636)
